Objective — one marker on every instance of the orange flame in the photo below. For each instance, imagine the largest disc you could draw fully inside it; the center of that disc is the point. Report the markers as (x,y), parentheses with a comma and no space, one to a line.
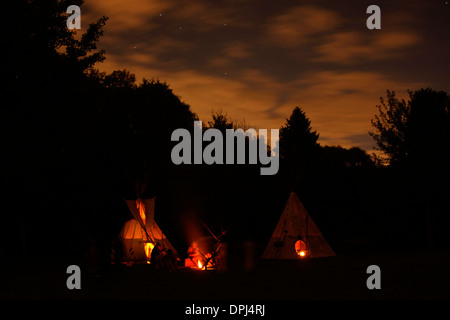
(141,208)
(199,264)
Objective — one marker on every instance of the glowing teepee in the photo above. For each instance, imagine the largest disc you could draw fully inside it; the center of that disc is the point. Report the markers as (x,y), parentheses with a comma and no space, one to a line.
(296,235)
(139,235)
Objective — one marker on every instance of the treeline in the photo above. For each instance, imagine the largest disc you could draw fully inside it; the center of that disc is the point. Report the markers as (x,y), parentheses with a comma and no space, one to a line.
(76,142)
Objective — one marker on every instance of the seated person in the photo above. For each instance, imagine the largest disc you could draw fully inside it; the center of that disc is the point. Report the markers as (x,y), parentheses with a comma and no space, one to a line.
(157,256)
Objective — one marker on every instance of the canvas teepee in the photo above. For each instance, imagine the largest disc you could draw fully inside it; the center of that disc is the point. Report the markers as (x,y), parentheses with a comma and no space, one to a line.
(296,235)
(139,235)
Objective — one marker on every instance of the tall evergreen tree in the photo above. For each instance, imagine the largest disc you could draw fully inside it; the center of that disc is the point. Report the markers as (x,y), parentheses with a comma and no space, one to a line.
(298,143)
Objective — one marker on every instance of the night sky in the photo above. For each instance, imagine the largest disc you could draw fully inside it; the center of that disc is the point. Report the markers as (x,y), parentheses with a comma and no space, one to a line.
(256,60)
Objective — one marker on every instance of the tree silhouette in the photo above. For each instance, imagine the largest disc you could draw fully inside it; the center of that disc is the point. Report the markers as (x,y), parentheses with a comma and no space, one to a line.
(298,144)
(118,79)
(46,128)
(42,48)
(137,122)
(220,121)
(339,157)
(415,134)
(297,138)
(414,131)
(391,126)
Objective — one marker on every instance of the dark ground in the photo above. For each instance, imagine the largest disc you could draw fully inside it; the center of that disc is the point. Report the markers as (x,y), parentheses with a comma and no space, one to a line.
(418,275)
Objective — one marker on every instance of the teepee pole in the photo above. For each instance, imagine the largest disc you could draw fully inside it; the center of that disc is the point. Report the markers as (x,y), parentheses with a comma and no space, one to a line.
(306,233)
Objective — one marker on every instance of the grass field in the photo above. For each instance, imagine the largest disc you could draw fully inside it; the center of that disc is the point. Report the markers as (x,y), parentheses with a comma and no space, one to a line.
(419,275)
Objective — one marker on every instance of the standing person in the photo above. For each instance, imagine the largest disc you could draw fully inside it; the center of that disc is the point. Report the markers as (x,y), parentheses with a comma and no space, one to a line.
(171,260)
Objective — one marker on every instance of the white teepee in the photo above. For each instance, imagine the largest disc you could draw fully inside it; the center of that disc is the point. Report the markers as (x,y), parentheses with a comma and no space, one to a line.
(296,235)
(139,235)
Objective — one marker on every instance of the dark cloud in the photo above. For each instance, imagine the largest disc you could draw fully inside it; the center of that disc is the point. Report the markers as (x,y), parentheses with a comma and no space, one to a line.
(256,60)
